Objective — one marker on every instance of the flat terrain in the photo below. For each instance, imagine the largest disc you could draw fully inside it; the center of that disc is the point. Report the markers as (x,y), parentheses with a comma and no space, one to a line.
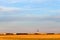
(30,37)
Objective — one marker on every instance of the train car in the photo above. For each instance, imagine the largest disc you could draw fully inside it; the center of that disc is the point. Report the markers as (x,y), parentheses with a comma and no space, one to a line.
(9,34)
(21,33)
(50,33)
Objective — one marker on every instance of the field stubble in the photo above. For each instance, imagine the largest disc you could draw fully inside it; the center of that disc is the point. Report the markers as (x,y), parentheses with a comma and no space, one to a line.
(30,37)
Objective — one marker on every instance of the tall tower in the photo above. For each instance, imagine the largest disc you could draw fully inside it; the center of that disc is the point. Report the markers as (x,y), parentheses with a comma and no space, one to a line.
(37,30)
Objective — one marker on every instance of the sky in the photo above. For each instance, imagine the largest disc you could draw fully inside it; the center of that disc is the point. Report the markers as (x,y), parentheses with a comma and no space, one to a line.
(30,15)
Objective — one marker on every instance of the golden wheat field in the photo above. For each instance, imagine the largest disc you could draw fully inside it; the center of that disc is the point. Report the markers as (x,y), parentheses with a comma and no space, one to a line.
(30,37)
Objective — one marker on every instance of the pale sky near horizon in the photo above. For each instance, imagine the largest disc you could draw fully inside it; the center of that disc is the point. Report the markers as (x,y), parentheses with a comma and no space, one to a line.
(29,15)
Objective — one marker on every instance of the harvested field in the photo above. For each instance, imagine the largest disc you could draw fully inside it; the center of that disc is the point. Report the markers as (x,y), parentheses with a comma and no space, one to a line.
(30,37)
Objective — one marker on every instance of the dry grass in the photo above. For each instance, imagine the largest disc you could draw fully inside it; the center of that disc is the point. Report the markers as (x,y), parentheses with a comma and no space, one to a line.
(30,37)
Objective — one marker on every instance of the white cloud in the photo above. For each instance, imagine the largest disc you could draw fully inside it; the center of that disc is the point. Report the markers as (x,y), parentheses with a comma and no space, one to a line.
(8,8)
(15,9)
(28,12)
(55,11)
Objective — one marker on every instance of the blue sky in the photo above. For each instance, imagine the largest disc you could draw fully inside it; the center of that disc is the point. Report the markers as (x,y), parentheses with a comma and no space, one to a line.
(29,15)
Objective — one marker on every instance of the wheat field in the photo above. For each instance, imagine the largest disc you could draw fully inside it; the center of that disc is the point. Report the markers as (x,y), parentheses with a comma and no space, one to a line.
(30,37)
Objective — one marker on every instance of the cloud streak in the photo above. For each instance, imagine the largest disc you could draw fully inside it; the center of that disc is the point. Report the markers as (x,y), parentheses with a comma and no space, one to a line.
(29,15)
(27,1)
(16,1)
(24,18)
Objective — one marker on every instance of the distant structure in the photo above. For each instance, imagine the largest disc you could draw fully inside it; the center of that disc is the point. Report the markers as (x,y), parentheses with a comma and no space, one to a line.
(37,30)
(37,33)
